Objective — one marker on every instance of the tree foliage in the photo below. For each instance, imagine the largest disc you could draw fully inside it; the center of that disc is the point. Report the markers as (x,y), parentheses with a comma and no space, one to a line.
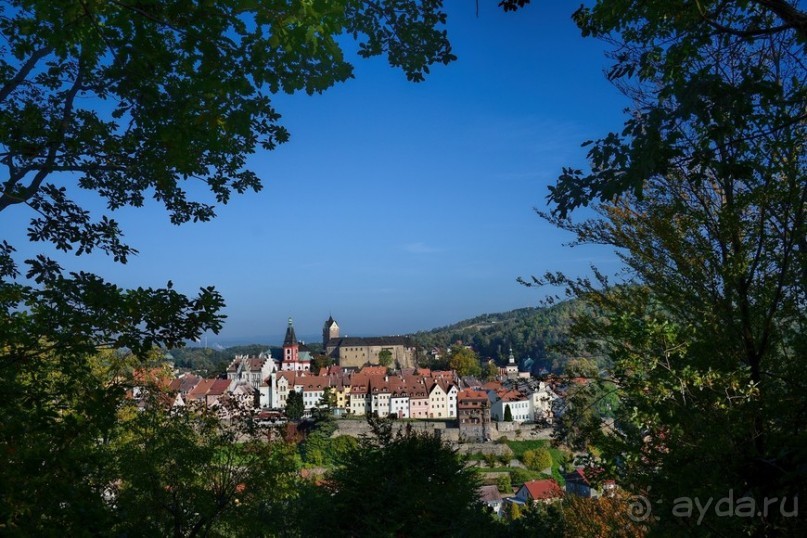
(537,460)
(134,101)
(539,333)
(411,484)
(83,458)
(162,100)
(464,361)
(385,358)
(295,407)
(668,47)
(704,194)
(184,473)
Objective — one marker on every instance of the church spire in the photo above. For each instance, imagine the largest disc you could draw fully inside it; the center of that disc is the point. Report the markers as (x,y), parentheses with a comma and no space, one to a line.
(291,338)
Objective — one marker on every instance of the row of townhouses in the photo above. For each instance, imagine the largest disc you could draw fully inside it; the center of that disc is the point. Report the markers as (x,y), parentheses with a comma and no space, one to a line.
(416,393)
(411,393)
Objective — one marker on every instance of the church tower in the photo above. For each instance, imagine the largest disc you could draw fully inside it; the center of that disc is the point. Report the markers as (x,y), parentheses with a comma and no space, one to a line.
(329,331)
(291,348)
(512,367)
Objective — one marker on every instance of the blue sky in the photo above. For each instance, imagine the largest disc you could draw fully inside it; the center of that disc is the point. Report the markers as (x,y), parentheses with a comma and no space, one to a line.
(396,206)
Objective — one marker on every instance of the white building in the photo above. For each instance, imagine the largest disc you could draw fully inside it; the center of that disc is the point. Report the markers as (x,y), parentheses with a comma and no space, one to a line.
(519,404)
(543,403)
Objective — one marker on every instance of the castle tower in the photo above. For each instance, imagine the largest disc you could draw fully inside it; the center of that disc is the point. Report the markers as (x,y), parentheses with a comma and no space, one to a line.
(291,348)
(329,331)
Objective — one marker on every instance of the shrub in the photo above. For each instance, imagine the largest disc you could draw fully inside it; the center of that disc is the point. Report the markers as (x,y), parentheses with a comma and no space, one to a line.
(503,483)
(537,460)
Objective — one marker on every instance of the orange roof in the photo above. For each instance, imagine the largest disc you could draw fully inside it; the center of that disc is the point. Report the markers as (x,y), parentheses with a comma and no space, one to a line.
(201,388)
(374,370)
(156,376)
(470,395)
(288,375)
(543,489)
(218,387)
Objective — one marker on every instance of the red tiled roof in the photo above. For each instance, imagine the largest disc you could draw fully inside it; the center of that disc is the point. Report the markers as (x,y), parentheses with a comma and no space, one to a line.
(469,397)
(543,489)
(492,385)
(374,370)
(219,387)
(201,389)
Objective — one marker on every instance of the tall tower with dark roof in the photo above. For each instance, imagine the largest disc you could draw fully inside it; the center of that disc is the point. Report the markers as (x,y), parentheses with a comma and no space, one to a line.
(291,348)
(329,331)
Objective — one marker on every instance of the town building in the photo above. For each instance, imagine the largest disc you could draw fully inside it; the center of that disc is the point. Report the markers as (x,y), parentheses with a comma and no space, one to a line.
(294,358)
(473,414)
(538,491)
(358,351)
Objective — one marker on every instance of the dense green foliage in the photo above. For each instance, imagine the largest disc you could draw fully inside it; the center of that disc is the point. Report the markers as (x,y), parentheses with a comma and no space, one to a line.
(704,194)
(408,484)
(130,101)
(464,361)
(385,358)
(294,405)
(537,460)
(150,100)
(83,459)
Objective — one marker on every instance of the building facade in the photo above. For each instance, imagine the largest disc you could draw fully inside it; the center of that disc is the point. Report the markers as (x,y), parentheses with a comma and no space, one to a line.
(356,352)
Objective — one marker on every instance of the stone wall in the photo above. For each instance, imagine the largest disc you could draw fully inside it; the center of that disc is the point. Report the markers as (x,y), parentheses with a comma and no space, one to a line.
(357,427)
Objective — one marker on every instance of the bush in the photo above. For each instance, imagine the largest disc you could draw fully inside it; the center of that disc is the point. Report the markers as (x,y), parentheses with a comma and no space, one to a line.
(518,476)
(537,460)
(503,484)
(448,501)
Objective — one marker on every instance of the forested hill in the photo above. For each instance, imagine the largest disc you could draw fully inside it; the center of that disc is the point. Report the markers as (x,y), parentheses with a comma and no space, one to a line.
(531,332)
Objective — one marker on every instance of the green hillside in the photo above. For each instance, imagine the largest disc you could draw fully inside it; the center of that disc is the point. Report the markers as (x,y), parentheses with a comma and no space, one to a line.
(539,333)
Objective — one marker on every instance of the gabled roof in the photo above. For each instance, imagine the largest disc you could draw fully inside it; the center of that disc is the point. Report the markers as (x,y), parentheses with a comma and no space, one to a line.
(185,383)
(374,370)
(471,382)
(219,387)
(201,389)
(538,490)
(510,395)
(492,385)
(489,494)
(577,476)
(471,396)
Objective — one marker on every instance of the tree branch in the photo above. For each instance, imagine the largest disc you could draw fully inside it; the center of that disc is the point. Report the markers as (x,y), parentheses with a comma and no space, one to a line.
(47,167)
(792,17)
(26,68)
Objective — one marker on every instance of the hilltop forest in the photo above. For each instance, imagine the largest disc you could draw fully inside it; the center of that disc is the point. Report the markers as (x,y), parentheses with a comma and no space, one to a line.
(541,334)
